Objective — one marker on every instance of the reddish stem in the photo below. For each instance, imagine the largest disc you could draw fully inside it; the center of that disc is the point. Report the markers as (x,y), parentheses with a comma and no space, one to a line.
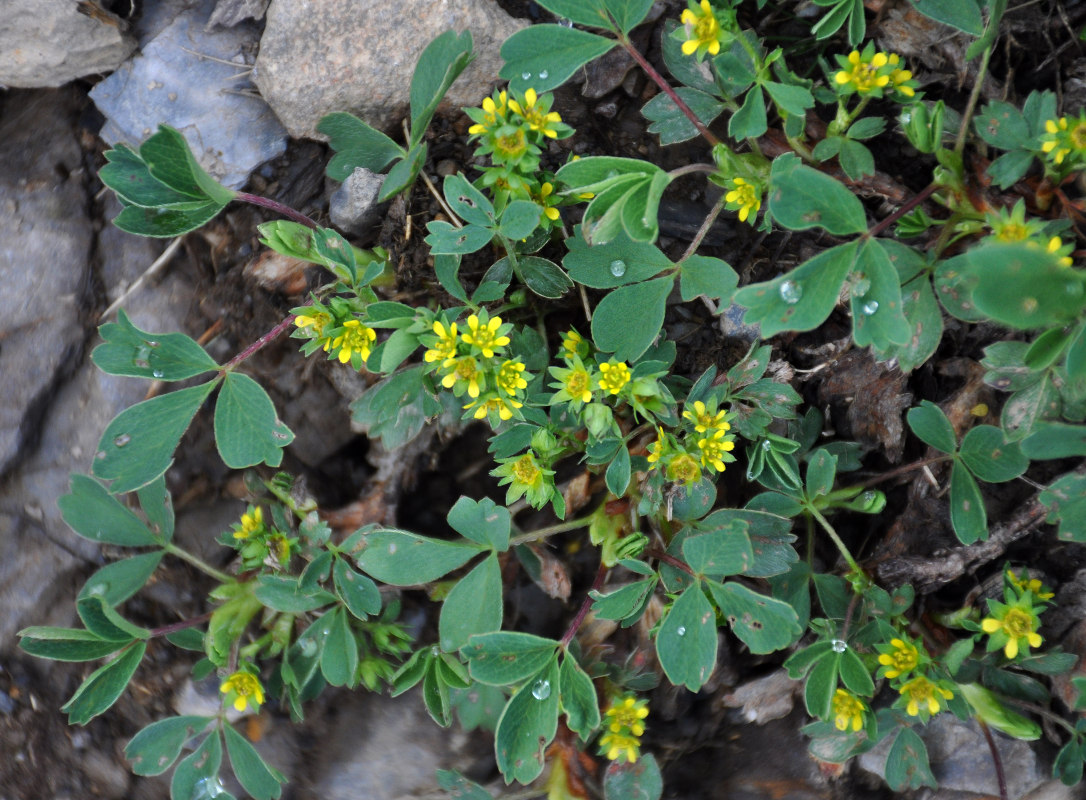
(274,205)
(665,87)
(909,205)
(263,341)
(996,760)
(660,555)
(583,612)
(180,626)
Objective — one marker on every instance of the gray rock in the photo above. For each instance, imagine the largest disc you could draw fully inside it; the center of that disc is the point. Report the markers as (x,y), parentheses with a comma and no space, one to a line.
(195,80)
(961,761)
(44,270)
(230,12)
(381,748)
(49,42)
(359,55)
(354,208)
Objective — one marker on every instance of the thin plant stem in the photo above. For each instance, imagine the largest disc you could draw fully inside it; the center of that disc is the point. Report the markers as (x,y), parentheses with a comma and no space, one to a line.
(1001,779)
(174,627)
(704,229)
(667,89)
(967,115)
(875,481)
(550,530)
(908,206)
(199,563)
(259,344)
(855,567)
(274,205)
(669,559)
(586,604)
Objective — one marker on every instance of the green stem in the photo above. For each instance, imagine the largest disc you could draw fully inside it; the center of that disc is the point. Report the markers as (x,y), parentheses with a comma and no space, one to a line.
(855,567)
(689,168)
(550,530)
(199,563)
(705,226)
(967,115)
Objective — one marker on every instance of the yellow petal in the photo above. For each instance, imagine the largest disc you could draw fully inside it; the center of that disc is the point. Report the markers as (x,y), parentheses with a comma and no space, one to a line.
(990,625)
(689,47)
(1011,650)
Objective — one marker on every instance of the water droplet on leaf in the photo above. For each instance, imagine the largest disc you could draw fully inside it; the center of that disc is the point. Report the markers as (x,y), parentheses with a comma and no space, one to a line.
(157,373)
(618,268)
(543,75)
(681,631)
(152,343)
(122,440)
(870,307)
(791,292)
(839,646)
(526,76)
(767,445)
(541,690)
(309,647)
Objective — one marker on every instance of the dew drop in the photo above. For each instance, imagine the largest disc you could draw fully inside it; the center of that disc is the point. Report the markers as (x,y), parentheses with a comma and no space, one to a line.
(122,440)
(309,647)
(791,292)
(868,498)
(565,23)
(543,75)
(681,631)
(839,646)
(157,373)
(767,445)
(526,76)
(207,788)
(152,343)
(392,549)
(541,690)
(618,268)
(98,590)
(100,454)
(750,474)
(870,307)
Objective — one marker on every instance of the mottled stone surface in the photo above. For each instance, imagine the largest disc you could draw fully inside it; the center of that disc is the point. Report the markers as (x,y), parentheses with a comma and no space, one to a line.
(194,78)
(47,43)
(359,55)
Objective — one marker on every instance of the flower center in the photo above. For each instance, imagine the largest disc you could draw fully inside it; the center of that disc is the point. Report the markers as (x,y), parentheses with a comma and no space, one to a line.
(577,383)
(1017,623)
(1078,136)
(525,470)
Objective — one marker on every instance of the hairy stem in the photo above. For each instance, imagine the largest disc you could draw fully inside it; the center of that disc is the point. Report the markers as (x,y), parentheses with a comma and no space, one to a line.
(259,344)
(174,627)
(550,530)
(274,205)
(909,205)
(996,760)
(967,115)
(855,567)
(705,226)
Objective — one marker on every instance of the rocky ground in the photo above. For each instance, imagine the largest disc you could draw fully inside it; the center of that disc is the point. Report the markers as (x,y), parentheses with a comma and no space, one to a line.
(248,82)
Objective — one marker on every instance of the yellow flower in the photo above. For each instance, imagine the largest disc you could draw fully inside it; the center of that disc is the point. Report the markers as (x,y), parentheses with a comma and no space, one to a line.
(537,113)
(613,376)
(1011,624)
(251,522)
(578,385)
(703,31)
(626,715)
(744,197)
(683,468)
(617,746)
(243,689)
(659,447)
(1065,137)
(1012,226)
(900,658)
(1057,248)
(444,349)
(714,449)
(848,711)
(503,406)
(900,78)
(510,378)
(484,334)
(356,338)
(491,116)
(1032,585)
(465,372)
(705,419)
(317,321)
(572,344)
(544,199)
(922,696)
(511,145)
(864,72)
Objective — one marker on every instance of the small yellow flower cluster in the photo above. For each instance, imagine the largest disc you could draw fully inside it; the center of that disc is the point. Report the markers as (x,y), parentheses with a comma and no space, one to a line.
(582,376)
(336,330)
(708,445)
(526,477)
(258,543)
(1012,626)
(1065,137)
(243,690)
(473,362)
(744,197)
(511,128)
(1012,226)
(624,726)
(906,663)
(702,30)
(871,73)
(848,711)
